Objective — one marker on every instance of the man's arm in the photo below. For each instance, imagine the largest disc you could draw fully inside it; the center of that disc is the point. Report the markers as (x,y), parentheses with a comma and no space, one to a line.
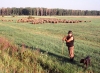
(64,38)
(69,39)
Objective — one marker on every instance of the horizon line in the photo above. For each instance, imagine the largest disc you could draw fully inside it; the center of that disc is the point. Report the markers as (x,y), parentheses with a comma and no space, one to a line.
(51,8)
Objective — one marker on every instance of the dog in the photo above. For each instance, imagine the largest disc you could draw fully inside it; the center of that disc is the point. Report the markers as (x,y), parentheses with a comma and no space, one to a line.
(85,61)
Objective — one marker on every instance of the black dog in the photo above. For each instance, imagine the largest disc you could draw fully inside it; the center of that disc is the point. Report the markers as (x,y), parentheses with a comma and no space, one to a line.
(85,61)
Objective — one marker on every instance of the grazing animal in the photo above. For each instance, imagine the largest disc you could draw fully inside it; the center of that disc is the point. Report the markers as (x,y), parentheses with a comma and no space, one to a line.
(85,61)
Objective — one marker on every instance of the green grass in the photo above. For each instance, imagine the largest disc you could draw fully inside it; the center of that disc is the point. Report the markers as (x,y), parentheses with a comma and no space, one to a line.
(47,37)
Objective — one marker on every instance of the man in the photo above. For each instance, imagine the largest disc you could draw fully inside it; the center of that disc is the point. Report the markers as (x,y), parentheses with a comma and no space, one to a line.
(70,44)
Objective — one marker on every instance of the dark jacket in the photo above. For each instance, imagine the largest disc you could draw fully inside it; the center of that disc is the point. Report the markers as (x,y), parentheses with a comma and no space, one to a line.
(71,43)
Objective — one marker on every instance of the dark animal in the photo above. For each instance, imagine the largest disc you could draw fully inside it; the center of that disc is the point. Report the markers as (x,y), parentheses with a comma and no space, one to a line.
(85,61)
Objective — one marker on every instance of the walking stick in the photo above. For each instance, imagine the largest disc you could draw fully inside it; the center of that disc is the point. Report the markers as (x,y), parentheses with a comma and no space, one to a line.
(63,48)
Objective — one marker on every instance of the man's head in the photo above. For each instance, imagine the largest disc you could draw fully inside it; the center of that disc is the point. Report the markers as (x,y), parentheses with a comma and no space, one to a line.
(70,33)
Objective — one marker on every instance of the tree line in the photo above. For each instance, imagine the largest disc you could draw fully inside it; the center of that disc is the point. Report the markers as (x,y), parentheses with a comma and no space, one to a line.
(47,12)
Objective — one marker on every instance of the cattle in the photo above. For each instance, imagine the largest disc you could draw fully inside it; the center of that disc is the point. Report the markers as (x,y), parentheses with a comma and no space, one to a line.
(47,20)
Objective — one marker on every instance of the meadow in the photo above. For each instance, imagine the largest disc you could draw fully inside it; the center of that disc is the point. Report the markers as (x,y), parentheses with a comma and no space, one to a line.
(48,39)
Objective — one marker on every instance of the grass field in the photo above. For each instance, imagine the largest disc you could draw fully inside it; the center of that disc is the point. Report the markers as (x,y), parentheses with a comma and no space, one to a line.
(48,38)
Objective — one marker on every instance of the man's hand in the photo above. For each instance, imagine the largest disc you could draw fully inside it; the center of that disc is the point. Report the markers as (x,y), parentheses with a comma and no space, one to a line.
(64,38)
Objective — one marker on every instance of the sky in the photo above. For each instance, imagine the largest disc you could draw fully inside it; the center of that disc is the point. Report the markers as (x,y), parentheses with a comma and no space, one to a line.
(64,4)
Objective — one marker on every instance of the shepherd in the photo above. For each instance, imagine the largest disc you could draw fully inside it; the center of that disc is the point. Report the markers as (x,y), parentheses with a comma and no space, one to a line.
(69,39)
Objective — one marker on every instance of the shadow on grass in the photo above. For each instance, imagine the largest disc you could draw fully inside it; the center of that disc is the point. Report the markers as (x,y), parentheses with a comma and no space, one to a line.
(61,58)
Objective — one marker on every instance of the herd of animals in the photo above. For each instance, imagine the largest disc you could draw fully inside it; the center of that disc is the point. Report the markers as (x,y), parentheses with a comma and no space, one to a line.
(43,20)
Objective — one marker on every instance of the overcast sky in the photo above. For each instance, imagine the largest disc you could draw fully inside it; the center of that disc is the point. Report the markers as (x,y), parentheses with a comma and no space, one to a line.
(65,4)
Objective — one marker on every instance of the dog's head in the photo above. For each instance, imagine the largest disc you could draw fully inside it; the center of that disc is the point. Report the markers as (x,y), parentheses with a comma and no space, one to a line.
(82,61)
